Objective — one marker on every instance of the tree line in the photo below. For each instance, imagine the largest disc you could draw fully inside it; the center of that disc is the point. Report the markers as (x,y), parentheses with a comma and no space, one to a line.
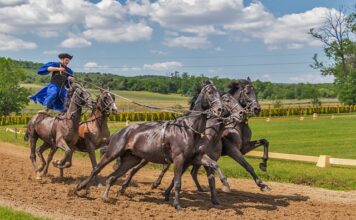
(185,84)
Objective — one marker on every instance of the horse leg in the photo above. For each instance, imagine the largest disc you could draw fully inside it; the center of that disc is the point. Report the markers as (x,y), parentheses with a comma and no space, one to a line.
(39,152)
(33,141)
(168,191)
(107,158)
(194,174)
(178,171)
(65,162)
(160,177)
(253,145)
(49,159)
(128,162)
(132,173)
(208,162)
(235,154)
(211,179)
(91,150)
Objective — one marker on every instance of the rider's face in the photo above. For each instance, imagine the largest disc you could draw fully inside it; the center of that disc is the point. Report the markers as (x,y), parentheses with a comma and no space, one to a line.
(65,61)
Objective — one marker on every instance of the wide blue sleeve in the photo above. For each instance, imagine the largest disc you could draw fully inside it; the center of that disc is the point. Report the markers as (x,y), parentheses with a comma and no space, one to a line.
(43,70)
(70,73)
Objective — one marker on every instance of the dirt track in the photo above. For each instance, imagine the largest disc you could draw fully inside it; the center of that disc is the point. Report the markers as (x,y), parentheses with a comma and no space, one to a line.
(51,198)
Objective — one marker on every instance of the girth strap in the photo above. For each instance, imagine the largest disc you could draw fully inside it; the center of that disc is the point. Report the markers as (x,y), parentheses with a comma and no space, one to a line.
(163,144)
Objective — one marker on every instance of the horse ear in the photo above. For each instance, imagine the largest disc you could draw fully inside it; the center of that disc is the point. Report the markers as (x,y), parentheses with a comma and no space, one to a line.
(207,82)
(248,79)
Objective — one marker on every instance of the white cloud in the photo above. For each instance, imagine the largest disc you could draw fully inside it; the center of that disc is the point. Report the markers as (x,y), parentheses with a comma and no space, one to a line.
(194,15)
(75,42)
(125,33)
(288,31)
(312,78)
(110,21)
(106,21)
(172,65)
(10,43)
(136,9)
(187,42)
(90,65)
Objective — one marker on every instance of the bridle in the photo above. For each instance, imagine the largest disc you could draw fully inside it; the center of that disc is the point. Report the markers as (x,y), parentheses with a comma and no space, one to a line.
(247,100)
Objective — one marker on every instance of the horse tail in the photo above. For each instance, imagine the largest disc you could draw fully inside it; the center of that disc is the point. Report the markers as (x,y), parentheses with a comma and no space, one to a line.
(118,141)
(27,133)
(30,127)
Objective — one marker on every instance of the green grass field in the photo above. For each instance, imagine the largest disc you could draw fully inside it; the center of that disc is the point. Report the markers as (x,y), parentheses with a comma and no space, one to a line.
(168,100)
(333,137)
(10,214)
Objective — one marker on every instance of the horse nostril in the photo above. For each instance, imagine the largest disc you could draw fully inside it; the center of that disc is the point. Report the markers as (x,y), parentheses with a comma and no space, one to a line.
(219,109)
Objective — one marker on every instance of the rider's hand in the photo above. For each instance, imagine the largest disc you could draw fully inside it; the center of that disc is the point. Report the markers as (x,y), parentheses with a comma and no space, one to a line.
(61,69)
(71,78)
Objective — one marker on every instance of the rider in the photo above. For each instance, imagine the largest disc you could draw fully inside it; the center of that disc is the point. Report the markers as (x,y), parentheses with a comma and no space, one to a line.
(53,96)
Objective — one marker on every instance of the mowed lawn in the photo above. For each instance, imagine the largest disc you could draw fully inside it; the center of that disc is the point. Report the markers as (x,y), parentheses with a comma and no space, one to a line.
(323,136)
(11,214)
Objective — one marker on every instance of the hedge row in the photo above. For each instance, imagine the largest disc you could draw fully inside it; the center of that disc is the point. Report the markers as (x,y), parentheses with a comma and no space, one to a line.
(154,116)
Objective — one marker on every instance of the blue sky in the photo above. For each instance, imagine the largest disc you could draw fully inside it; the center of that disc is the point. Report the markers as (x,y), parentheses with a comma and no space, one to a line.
(265,40)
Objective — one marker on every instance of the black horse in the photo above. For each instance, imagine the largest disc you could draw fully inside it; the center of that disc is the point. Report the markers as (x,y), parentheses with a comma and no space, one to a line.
(236,138)
(212,135)
(179,142)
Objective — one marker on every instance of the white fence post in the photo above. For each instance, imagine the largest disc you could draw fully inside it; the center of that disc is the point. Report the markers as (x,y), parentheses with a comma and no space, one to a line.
(324,161)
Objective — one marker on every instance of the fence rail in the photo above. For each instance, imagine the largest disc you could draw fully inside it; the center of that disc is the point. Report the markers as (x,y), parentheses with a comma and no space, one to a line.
(321,161)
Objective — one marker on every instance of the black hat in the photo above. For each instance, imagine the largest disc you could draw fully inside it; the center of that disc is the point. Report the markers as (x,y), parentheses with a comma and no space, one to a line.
(65,55)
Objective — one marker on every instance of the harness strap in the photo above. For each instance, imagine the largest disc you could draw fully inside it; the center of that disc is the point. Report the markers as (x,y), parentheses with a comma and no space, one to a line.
(164,145)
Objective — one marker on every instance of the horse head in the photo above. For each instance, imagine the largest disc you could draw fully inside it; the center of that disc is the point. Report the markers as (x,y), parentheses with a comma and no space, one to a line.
(232,108)
(80,97)
(106,102)
(209,99)
(244,92)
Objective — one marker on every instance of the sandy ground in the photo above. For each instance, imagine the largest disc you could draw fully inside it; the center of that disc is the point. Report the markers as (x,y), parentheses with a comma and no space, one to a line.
(51,197)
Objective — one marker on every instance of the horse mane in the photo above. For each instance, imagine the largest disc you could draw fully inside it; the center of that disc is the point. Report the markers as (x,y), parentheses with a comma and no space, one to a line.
(234,86)
(69,96)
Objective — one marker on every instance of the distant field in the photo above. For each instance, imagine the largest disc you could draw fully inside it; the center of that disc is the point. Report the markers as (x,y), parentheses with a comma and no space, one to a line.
(335,137)
(170,100)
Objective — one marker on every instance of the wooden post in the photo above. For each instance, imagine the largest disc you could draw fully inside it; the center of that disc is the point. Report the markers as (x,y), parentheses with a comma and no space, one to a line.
(324,161)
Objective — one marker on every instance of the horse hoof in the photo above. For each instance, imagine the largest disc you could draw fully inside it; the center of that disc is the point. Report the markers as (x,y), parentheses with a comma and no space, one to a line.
(154,186)
(178,208)
(56,163)
(105,199)
(217,205)
(226,189)
(38,177)
(263,167)
(166,198)
(265,188)
(201,189)
(81,193)
(122,191)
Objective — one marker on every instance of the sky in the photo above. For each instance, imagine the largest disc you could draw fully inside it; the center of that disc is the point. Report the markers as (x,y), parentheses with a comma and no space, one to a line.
(265,40)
